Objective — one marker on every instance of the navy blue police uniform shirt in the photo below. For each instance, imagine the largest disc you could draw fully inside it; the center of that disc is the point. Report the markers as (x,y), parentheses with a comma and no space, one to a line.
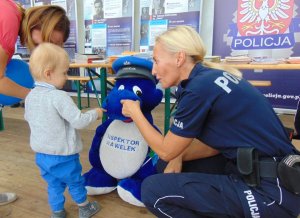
(227,112)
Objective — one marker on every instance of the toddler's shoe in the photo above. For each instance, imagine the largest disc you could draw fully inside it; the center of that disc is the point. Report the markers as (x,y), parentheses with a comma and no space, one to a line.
(59,214)
(89,210)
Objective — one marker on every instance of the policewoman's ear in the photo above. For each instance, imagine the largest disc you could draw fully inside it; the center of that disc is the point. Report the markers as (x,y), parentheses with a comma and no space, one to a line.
(181,56)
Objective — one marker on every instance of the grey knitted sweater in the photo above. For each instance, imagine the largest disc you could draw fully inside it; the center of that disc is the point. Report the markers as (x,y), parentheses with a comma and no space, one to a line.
(53,118)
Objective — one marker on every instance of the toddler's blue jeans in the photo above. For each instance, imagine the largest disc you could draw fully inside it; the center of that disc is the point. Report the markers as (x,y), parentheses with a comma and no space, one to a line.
(59,172)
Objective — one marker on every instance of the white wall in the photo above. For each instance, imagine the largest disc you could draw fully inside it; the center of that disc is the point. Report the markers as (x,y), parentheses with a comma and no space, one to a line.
(207,24)
(80,26)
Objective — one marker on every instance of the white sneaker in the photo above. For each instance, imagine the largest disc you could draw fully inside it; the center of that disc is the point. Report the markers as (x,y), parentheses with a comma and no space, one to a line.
(6,198)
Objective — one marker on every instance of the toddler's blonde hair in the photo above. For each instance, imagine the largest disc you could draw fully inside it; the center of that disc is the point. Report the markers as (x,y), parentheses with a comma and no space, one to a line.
(47,56)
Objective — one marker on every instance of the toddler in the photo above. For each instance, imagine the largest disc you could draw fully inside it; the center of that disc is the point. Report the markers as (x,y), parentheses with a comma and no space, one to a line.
(53,119)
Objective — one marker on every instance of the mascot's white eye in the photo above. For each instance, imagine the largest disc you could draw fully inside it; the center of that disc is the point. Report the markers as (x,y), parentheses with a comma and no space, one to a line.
(137,90)
(121,87)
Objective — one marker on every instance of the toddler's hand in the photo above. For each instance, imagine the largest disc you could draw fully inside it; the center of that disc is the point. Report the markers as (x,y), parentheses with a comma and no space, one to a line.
(100,112)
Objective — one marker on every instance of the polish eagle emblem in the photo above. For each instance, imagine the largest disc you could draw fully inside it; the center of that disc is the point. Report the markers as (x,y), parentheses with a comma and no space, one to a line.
(264,17)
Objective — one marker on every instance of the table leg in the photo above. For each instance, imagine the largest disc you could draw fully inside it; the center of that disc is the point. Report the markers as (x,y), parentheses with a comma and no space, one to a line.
(88,98)
(103,85)
(78,94)
(103,88)
(93,85)
(1,121)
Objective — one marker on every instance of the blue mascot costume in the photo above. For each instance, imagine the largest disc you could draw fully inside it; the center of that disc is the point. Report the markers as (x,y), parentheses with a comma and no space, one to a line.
(119,155)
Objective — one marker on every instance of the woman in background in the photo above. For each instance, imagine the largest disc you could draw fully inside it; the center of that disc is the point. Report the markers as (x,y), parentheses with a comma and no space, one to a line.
(34,25)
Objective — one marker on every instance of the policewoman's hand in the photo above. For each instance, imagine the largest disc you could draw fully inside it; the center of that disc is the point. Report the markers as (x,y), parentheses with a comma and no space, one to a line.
(174,165)
(130,107)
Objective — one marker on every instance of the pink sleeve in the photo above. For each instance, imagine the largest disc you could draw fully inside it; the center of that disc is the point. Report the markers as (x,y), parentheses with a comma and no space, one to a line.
(9,26)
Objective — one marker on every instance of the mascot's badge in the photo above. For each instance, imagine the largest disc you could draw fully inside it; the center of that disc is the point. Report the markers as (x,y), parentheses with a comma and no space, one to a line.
(126,63)
(264,24)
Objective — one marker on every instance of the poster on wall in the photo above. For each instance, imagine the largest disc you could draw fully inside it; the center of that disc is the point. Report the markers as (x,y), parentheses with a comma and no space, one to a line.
(108,26)
(265,30)
(158,15)
(24,3)
(69,6)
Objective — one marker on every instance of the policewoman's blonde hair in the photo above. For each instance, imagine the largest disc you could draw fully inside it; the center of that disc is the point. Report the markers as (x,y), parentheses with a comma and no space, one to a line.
(46,18)
(47,57)
(186,39)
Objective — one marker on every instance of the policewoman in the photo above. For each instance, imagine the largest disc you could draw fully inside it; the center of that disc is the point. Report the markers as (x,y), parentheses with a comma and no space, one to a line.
(244,164)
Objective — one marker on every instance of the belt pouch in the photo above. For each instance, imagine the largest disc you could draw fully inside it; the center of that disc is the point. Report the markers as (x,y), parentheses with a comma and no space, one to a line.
(248,165)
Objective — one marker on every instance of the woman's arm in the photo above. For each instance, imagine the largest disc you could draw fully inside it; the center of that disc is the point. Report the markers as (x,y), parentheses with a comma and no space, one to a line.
(7,86)
(167,147)
(196,150)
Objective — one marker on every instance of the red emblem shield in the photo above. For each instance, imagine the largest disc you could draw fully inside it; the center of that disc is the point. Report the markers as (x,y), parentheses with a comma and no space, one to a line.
(264,17)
